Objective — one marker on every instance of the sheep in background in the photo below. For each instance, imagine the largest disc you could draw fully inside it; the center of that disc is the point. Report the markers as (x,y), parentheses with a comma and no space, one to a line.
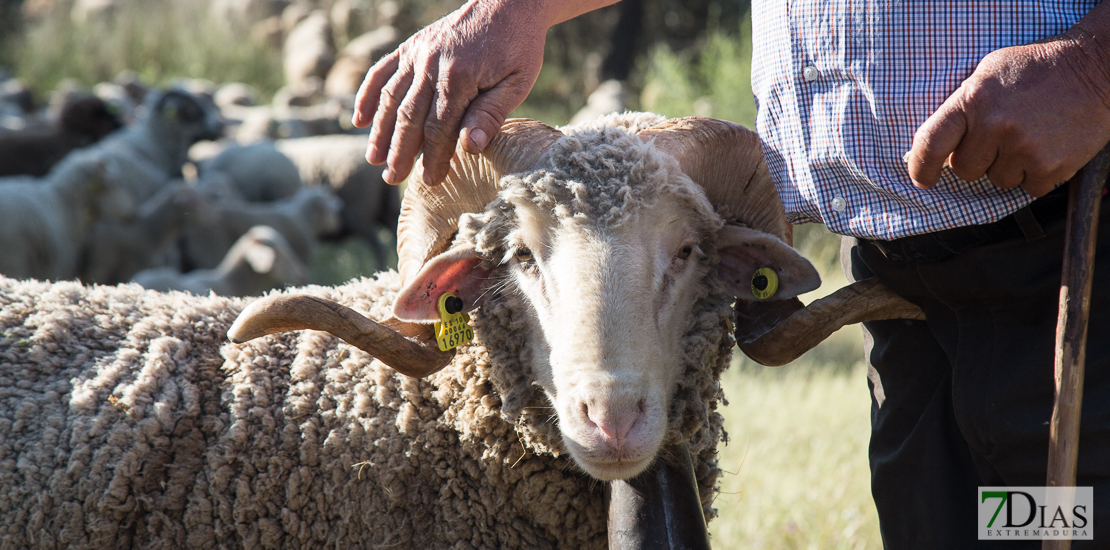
(43,223)
(150,153)
(235,94)
(369,204)
(17,105)
(356,58)
(82,120)
(118,100)
(114,252)
(309,48)
(610,97)
(258,172)
(127,423)
(309,214)
(259,261)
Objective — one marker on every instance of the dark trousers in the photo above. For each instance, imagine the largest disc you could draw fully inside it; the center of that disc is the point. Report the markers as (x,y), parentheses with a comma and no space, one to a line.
(964,399)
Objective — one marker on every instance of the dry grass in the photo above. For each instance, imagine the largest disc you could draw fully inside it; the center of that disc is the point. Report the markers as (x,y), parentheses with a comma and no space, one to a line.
(797,453)
(797,461)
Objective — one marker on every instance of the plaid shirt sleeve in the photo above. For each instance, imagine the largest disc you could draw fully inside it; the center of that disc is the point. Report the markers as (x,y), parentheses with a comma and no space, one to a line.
(842,85)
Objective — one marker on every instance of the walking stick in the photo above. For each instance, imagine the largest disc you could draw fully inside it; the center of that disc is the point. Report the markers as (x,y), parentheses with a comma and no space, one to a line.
(1080,232)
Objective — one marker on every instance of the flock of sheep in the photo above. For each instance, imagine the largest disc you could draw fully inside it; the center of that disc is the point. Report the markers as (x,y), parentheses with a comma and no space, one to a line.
(193,187)
(600,263)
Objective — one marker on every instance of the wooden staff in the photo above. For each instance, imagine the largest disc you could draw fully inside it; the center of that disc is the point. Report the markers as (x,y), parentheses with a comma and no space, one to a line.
(1084,198)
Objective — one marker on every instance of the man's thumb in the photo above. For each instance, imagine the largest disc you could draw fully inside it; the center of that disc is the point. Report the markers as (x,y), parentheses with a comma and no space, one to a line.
(485,115)
(937,137)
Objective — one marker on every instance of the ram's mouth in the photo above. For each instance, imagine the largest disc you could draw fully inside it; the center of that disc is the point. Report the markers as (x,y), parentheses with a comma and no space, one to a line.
(623,468)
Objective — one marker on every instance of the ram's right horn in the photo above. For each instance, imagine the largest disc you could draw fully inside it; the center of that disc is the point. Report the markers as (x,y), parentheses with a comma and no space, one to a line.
(778,341)
(408,348)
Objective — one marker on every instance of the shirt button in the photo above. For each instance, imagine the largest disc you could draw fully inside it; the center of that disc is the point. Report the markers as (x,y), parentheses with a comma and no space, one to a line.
(810,73)
(839,204)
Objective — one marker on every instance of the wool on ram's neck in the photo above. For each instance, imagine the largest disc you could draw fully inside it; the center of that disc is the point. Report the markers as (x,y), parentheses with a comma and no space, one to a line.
(599,179)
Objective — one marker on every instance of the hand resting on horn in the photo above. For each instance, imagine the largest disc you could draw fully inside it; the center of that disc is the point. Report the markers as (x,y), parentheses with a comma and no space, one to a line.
(459,77)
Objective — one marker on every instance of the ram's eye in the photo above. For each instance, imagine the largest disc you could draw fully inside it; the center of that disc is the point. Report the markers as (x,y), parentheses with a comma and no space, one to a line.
(523,255)
(685,252)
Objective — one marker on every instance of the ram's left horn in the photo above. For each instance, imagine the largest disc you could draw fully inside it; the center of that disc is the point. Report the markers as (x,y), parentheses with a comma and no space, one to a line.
(403,346)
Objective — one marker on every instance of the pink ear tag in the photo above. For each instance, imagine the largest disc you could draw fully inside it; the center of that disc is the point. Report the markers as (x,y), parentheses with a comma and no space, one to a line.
(453,328)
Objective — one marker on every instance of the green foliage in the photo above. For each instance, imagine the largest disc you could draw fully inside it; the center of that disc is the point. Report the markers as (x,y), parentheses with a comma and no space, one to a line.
(162,41)
(335,263)
(714,81)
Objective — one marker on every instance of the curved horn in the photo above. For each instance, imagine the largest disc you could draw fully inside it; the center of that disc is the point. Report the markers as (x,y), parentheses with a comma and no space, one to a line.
(786,340)
(430,213)
(428,223)
(386,342)
(726,159)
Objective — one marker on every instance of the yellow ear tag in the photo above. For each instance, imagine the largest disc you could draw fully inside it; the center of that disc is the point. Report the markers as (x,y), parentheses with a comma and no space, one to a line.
(453,328)
(765,283)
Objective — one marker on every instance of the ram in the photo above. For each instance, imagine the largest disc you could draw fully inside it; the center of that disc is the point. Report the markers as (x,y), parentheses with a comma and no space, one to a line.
(598,263)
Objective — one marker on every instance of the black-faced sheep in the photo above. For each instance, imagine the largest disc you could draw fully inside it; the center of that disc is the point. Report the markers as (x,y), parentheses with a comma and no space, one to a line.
(147,155)
(597,259)
(82,120)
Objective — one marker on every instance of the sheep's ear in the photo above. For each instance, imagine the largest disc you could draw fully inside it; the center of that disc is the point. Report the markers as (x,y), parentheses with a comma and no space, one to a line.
(261,258)
(458,271)
(744,251)
(178,107)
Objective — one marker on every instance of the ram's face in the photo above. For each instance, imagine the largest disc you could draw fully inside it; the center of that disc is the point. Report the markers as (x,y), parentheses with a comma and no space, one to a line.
(610,294)
(609,234)
(611,307)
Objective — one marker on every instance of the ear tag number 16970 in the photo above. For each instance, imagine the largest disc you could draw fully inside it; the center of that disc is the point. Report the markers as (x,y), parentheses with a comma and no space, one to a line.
(453,328)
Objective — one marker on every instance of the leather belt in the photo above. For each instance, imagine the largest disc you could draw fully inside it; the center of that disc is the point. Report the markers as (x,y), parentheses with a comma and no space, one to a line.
(1026,223)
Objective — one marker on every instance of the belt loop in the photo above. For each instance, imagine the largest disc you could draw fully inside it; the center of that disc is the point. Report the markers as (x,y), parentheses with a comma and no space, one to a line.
(1028,224)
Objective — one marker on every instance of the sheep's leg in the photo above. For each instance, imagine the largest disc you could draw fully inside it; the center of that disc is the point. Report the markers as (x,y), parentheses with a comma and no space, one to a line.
(658,509)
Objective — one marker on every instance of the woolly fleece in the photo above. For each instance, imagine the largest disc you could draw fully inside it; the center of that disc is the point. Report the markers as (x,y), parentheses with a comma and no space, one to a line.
(127,421)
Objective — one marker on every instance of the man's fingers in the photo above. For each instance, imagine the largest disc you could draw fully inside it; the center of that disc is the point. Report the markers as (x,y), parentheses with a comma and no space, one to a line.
(972,158)
(937,137)
(408,133)
(1006,175)
(366,101)
(441,131)
(487,113)
(381,133)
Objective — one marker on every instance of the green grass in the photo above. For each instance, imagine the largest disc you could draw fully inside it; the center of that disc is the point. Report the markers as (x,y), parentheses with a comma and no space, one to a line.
(713,81)
(162,41)
(796,462)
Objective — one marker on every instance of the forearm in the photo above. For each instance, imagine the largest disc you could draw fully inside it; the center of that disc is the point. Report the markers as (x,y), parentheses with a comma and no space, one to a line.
(1092,34)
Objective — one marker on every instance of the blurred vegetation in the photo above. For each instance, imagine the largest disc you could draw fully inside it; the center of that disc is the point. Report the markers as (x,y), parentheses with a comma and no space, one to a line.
(161,41)
(798,475)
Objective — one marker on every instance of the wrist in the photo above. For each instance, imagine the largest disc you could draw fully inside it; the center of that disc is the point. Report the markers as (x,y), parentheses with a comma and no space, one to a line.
(541,14)
(1090,39)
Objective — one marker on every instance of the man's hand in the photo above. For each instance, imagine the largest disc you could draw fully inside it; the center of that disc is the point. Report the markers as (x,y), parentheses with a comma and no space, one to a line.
(467,70)
(1029,116)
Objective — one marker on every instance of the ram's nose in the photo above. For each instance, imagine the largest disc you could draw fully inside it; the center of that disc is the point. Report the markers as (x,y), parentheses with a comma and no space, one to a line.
(613,422)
